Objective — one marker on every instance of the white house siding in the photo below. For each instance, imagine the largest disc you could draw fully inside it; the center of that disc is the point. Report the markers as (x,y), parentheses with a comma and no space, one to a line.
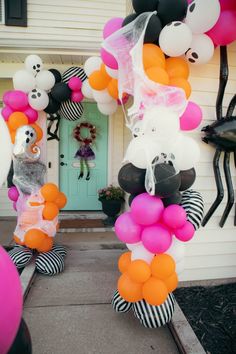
(71,24)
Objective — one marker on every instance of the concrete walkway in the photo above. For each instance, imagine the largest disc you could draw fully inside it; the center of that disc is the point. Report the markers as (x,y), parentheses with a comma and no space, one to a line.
(71,313)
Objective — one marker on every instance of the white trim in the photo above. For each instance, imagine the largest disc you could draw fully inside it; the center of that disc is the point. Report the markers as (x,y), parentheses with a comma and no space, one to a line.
(2,20)
(110,150)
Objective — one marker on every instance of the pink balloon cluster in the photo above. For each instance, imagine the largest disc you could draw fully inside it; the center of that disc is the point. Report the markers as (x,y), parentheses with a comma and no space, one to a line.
(17,101)
(152,224)
(192,117)
(224,31)
(75,84)
(13,195)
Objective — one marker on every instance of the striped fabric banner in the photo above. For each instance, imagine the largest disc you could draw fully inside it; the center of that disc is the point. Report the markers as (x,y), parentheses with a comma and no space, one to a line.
(20,256)
(74,71)
(49,263)
(154,316)
(192,202)
(119,304)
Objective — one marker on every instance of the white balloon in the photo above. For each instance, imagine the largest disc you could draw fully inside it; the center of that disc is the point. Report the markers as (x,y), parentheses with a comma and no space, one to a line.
(5,151)
(132,246)
(186,152)
(45,80)
(201,49)
(87,89)
(137,129)
(202,15)
(38,99)
(141,151)
(24,81)
(161,123)
(140,252)
(108,108)
(179,266)
(112,72)
(102,96)
(92,64)
(33,64)
(176,250)
(175,38)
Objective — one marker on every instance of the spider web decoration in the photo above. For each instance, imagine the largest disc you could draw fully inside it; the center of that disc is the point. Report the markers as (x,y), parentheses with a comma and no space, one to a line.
(53,123)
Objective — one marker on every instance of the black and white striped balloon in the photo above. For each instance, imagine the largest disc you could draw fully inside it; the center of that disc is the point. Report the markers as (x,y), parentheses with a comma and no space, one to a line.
(50,263)
(71,110)
(119,304)
(74,71)
(192,202)
(154,316)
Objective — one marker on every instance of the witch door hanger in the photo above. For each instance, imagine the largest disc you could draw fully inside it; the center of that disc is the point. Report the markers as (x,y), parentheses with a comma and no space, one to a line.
(85,152)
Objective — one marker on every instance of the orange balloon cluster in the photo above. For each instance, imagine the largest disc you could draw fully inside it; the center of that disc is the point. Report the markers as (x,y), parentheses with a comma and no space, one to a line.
(153,282)
(100,80)
(54,200)
(171,71)
(17,120)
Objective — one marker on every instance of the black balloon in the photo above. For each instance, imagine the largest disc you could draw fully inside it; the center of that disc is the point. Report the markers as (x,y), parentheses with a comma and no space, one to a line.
(167,180)
(131,198)
(172,10)
(144,5)
(56,74)
(187,179)
(61,92)
(132,179)
(153,29)
(10,177)
(53,105)
(173,199)
(22,343)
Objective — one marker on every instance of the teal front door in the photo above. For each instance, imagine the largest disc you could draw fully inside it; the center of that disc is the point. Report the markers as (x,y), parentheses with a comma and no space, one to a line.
(81,193)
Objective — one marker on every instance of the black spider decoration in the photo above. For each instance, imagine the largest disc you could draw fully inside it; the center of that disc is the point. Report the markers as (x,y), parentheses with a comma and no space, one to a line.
(222,135)
(52,118)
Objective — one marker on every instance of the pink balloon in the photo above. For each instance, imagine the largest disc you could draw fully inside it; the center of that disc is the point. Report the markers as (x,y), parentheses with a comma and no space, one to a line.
(191,118)
(75,83)
(77,96)
(10,301)
(13,194)
(174,216)
(32,114)
(6,112)
(126,229)
(113,25)
(227,5)
(5,97)
(108,59)
(156,238)
(224,31)
(186,232)
(146,209)
(17,100)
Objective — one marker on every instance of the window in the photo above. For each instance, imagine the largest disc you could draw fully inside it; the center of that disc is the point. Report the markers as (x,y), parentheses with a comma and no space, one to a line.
(15,12)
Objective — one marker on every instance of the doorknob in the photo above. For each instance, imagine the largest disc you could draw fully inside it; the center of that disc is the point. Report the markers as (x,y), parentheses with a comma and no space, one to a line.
(63,163)
(62,156)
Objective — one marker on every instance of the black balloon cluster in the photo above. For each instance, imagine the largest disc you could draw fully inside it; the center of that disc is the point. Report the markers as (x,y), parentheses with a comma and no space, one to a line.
(167,11)
(168,183)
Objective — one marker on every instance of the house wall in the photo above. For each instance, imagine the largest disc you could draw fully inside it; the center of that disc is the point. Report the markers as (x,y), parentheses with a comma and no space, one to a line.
(71,24)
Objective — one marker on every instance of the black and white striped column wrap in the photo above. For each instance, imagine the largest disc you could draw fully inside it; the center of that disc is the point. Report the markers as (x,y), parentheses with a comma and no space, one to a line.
(20,256)
(154,316)
(74,71)
(192,202)
(119,304)
(50,263)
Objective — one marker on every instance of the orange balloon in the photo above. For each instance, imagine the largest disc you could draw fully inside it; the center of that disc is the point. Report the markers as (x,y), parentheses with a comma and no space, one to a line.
(171,282)
(177,67)
(153,56)
(158,75)
(139,271)
(46,245)
(113,89)
(17,120)
(17,240)
(104,72)
(154,291)
(129,290)
(34,238)
(38,130)
(98,81)
(124,262)
(13,136)
(61,200)
(50,192)
(50,211)
(162,266)
(182,83)
(57,226)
